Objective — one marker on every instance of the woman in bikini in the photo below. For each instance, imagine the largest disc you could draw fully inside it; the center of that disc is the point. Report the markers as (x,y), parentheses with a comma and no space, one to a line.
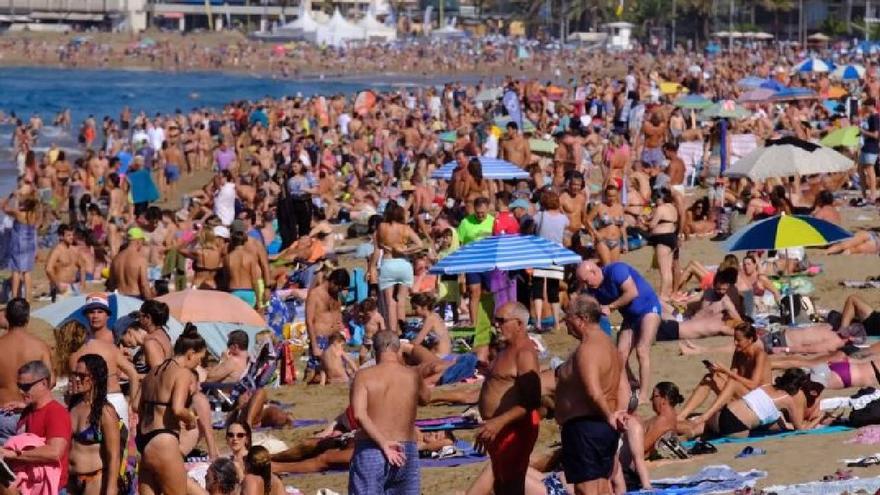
(258,478)
(207,260)
(164,407)
(96,447)
(606,224)
(698,219)
(862,242)
(157,348)
(752,284)
(782,403)
(392,247)
(663,225)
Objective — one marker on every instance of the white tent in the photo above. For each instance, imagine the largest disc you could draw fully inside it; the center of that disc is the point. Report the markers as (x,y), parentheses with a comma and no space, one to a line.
(304,25)
(448,31)
(339,31)
(374,29)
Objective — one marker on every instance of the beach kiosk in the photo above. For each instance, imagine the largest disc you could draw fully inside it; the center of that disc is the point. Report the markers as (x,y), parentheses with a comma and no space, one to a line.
(619,35)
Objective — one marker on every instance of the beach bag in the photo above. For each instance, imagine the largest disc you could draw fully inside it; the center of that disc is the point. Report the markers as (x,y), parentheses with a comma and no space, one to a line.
(803,308)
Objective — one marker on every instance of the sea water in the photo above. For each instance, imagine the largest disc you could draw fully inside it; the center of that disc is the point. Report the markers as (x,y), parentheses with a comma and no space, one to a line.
(100,93)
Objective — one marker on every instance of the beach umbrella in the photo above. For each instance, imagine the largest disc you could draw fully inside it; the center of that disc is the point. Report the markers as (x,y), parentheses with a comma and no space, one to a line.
(505,252)
(788,157)
(837,92)
(847,137)
(490,94)
(811,65)
(772,84)
(791,94)
(834,106)
(726,109)
(751,82)
(546,146)
(852,72)
(447,137)
(493,168)
(527,126)
(69,308)
(671,88)
(784,232)
(756,95)
(210,305)
(695,102)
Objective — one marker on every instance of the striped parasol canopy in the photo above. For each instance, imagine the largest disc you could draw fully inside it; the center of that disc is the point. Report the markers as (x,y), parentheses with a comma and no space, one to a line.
(851,72)
(786,231)
(505,252)
(493,168)
(813,65)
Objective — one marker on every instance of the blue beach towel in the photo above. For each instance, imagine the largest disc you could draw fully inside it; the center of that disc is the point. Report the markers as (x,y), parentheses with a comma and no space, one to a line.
(710,479)
(143,189)
(759,435)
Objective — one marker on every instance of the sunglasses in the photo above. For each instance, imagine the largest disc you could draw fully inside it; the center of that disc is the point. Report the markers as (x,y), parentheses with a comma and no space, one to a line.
(235,435)
(501,321)
(26,387)
(76,375)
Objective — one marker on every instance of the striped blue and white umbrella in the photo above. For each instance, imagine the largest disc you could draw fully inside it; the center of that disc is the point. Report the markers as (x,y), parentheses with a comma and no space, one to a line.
(813,65)
(505,252)
(751,82)
(852,72)
(493,168)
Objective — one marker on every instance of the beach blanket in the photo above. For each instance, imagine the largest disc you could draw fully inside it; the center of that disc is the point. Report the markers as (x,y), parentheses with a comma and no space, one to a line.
(710,479)
(869,485)
(447,423)
(296,423)
(464,455)
(760,435)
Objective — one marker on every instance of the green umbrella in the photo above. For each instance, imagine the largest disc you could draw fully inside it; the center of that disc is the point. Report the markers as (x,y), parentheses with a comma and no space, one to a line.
(848,137)
(546,146)
(528,126)
(726,109)
(695,102)
(447,137)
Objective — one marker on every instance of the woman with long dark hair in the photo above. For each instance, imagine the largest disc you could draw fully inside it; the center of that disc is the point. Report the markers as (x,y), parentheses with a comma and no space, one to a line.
(258,478)
(238,439)
(165,406)
(95,450)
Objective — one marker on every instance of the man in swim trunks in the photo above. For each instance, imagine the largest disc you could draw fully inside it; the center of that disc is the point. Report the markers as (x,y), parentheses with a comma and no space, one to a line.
(509,402)
(590,400)
(323,317)
(619,286)
(63,264)
(244,270)
(20,347)
(384,399)
(128,270)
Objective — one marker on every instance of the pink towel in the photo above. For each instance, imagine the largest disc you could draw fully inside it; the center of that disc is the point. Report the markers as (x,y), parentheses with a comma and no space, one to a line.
(869,435)
(33,479)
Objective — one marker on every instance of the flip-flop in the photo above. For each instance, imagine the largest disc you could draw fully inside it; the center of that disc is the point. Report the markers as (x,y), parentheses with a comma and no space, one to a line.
(750,451)
(871,460)
(701,448)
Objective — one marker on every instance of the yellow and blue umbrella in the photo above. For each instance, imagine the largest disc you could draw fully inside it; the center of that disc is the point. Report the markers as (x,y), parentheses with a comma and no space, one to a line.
(786,231)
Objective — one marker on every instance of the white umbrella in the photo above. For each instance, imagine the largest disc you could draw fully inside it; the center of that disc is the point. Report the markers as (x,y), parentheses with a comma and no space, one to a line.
(489,94)
(788,157)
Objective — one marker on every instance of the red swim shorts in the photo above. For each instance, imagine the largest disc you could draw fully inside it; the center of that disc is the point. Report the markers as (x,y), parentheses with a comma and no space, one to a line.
(512,447)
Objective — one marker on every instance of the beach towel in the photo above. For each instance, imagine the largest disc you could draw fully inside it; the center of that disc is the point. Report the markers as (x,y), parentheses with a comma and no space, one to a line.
(710,479)
(33,479)
(464,455)
(860,284)
(465,366)
(760,435)
(143,189)
(447,423)
(869,485)
(741,145)
(22,247)
(485,315)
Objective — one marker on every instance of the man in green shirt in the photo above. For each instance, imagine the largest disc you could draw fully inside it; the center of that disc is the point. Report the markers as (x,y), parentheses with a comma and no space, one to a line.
(472,228)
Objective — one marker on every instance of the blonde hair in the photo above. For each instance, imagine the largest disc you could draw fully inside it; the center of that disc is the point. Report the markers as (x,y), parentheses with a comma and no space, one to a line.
(69,338)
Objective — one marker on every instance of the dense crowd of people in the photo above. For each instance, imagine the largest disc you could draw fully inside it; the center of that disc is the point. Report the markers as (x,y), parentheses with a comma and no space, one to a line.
(614,165)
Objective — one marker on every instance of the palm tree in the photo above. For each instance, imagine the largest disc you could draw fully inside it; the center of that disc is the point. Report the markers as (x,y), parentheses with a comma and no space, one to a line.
(703,10)
(777,6)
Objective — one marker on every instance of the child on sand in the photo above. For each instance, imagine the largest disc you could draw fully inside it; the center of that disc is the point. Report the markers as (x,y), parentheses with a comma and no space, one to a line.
(368,315)
(336,365)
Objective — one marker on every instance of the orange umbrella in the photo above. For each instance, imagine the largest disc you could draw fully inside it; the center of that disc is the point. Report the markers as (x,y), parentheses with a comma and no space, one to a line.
(210,306)
(835,92)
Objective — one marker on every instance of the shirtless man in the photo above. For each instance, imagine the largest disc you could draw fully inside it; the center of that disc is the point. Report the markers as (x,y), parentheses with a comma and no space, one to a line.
(234,362)
(460,176)
(97,311)
(257,249)
(573,202)
(63,264)
(336,365)
(654,130)
(509,402)
(433,327)
(384,398)
(323,316)
(590,401)
(243,269)
(128,270)
(19,347)
(514,147)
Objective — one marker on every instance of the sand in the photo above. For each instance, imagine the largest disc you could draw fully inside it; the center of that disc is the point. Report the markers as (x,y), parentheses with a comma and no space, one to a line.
(791,460)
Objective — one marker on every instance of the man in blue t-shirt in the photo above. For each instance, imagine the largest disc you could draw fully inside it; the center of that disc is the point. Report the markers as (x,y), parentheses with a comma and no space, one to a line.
(870,149)
(619,286)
